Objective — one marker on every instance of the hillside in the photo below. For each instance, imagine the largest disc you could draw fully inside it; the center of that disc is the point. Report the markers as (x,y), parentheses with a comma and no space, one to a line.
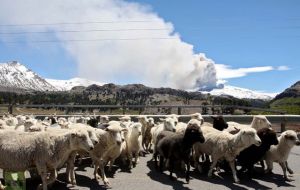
(288,100)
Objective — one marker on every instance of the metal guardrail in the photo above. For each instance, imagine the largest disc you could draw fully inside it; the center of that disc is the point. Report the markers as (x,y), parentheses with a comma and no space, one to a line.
(124,107)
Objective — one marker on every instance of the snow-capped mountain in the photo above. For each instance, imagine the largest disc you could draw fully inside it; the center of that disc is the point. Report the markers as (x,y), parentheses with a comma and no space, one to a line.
(241,93)
(14,75)
(63,85)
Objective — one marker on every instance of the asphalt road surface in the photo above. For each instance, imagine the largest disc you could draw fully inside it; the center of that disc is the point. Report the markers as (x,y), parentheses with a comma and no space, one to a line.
(145,177)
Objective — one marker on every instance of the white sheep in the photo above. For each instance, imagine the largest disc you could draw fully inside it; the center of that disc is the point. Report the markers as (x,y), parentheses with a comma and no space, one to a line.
(133,143)
(181,126)
(147,124)
(109,140)
(280,153)
(197,116)
(258,122)
(43,150)
(167,125)
(221,144)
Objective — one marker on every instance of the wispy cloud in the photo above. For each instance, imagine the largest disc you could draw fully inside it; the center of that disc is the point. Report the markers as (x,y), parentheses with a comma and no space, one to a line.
(283,68)
(226,72)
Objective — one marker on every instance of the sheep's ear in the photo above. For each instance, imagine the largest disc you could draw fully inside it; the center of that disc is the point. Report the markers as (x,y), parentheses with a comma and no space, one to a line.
(162,119)
(73,134)
(124,129)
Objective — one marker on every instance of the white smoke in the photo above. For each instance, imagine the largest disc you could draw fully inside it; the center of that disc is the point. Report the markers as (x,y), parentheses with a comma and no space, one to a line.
(157,62)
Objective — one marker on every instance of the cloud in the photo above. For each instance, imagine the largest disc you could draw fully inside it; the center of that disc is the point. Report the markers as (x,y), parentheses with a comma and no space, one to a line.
(167,61)
(283,68)
(226,72)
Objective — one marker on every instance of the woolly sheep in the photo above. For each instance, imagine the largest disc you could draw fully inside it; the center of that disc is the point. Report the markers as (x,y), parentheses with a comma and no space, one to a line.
(132,143)
(47,151)
(280,153)
(221,144)
(167,125)
(258,122)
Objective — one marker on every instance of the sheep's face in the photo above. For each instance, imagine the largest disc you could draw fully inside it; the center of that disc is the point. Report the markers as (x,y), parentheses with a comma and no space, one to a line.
(249,136)
(198,116)
(81,139)
(290,138)
(136,129)
(261,121)
(268,136)
(194,134)
(169,124)
(151,122)
(219,123)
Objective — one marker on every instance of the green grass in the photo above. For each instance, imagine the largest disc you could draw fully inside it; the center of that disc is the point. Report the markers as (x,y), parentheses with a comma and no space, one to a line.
(290,105)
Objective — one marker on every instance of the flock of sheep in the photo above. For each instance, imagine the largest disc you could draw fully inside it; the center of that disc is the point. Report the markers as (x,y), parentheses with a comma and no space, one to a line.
(46,146)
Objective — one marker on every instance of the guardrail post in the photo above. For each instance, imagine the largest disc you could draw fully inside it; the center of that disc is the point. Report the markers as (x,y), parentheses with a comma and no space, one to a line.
(283,124)
(179,111)
(10,109)
(123,110)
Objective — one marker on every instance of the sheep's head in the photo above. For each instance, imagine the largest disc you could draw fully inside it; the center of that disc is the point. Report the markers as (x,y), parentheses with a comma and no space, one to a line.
(197,116)
(125,118)
(169,124)
(193,132)
(268,136)
(104,119)
(151,122)
(249,136)
(219,122)
(260,121)
(136,129)
(115,131)
(80,140)
(290,138)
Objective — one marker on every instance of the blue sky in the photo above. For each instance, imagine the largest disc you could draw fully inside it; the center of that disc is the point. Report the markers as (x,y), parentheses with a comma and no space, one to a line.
(239,34)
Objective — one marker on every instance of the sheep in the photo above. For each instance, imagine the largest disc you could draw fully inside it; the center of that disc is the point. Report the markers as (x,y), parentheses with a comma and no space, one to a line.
(147,124)
(104,119)
(221,144)
(167,125)
(258,122)
(178,147)
(132,143)
(280,153)
(181,127)
(248,157)
(197,116)
(108,139)
(219,123)
(43,150)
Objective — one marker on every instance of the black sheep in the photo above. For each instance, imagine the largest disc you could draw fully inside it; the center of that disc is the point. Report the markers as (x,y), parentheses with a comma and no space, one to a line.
(248,157)
(219,122)
(178,147)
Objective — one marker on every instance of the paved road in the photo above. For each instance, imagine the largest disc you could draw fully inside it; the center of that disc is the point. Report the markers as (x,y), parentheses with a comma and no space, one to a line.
(145,177)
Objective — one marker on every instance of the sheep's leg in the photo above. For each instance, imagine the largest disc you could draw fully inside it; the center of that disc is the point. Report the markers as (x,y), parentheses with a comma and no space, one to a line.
(171,169)
(196,158)
(283,166)
(288,168)
(269,166)
(161,163)
(70,169)
(42,170)
(96,167)
(187,174)
(137,160)
(130,160)
(111,162)
(103,176)
(53,176)
(213,165)
(232,166)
